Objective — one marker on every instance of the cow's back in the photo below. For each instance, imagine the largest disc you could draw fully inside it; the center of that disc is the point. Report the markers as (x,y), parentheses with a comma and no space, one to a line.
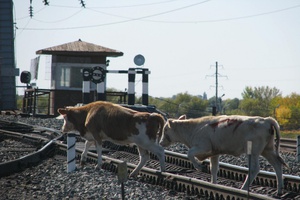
(230,134)
(112,120)
(224,134)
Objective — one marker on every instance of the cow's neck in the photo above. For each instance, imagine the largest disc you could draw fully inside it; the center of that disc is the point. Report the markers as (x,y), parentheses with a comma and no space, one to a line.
(79,122)
(184,136)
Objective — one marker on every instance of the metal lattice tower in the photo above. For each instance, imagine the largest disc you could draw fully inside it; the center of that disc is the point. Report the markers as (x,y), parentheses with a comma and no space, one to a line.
(217,75)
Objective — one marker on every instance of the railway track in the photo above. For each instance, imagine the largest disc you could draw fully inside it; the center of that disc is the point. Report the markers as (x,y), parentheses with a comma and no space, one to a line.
(289,145)
(180,175)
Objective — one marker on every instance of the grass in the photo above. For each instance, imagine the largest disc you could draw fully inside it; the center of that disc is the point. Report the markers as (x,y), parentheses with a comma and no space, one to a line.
(290,134)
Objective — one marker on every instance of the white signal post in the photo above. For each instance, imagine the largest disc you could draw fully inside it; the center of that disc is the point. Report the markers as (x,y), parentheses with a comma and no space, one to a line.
(71,140)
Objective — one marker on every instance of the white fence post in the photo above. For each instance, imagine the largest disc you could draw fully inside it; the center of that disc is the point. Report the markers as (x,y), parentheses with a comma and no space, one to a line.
(298,148)
(249,152)
(71,140)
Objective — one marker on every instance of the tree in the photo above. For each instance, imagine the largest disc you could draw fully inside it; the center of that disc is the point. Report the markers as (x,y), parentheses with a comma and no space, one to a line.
(287,110)
(252,107)
(230,106)
(166,105)
(183,103)
(261,93)
(257,100)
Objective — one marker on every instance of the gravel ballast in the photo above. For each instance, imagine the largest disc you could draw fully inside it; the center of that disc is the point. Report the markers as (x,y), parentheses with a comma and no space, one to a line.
(50,180)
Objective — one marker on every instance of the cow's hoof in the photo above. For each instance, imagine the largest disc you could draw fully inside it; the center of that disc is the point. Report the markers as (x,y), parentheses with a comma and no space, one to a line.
(133,175)
(98,168)
(198,167)
(82,163)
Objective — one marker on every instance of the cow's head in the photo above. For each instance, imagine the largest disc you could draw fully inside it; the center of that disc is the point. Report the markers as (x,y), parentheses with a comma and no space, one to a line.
(168,132)
(67,126)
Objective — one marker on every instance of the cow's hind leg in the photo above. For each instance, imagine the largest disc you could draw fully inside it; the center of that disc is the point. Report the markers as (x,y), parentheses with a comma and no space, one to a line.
(144,157)
(214,167)
(254,169)
(276,162)
(87,145)
(160,153)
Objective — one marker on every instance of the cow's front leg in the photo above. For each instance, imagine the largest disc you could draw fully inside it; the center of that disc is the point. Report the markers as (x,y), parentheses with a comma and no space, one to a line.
(99,152)
(191,156)
(84,153)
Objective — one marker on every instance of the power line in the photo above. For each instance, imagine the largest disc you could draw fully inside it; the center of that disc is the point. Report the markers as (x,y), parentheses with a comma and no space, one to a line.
(137,5)
(226,19)
(144,18)
(61,20)
(194,21)
(113,7)
(124,21)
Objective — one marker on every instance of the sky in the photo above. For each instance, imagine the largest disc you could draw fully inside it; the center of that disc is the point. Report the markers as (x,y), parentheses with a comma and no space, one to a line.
(255,43)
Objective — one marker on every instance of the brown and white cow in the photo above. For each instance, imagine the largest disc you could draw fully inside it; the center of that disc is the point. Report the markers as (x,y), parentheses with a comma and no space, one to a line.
(208,137)
(99,121)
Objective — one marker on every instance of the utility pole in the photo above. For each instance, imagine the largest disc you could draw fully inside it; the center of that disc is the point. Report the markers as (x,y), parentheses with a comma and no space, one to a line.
(217,75)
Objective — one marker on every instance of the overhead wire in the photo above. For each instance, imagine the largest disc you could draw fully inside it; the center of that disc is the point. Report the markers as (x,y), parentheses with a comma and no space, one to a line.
(123,21)
(157,14)
(203,21)
(60,20)
(145,18)
(124,6)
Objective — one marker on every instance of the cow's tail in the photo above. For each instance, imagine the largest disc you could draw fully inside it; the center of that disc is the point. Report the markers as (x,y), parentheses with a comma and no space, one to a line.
(161,122)
(276,128)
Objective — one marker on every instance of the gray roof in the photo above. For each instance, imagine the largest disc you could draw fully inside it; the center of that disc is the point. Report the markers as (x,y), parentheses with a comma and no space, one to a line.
(80,48)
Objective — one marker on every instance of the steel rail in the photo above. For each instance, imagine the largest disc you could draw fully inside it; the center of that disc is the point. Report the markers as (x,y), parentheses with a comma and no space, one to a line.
(173,181)
(183,169)
(238,173)
(44,148)
(227,171)
(287,144)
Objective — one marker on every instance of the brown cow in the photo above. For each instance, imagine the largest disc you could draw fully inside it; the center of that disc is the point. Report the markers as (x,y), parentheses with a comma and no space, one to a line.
(208,137)
(101,120)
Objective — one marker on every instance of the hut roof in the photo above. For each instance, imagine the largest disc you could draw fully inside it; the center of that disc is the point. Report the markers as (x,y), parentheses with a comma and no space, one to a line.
(80,48)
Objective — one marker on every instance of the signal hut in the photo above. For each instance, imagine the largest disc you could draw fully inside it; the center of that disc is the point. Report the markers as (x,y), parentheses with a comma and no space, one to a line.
(68,60)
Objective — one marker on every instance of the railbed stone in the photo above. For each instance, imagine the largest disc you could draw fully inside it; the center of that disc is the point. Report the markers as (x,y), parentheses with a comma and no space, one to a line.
(50,180)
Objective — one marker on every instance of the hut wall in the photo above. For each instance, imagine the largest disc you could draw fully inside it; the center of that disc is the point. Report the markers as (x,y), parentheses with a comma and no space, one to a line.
(63,98)
(66,79)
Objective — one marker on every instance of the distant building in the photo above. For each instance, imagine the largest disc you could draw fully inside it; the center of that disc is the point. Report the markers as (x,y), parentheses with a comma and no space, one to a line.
(8,70)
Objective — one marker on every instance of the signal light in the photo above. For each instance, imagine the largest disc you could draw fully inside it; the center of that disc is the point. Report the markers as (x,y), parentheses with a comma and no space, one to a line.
(25,77)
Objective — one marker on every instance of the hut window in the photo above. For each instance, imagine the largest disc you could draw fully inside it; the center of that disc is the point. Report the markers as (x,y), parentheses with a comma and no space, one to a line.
(71,77)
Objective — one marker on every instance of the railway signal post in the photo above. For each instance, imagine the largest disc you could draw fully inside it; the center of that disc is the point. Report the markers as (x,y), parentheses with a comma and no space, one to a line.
(71,140)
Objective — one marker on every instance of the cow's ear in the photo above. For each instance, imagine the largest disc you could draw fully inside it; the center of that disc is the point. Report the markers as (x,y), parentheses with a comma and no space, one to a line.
(170,122)
(182,117)
(62,111)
